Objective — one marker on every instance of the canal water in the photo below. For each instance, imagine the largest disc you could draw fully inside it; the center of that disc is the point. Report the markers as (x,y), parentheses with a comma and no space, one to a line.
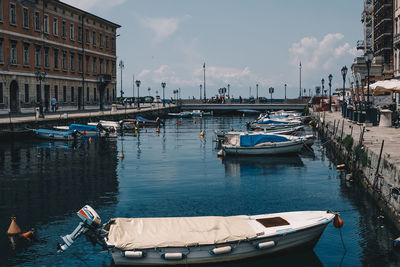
(178,173)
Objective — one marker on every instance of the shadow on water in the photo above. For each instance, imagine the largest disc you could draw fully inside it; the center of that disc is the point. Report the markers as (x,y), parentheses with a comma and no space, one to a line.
(235,166)
(40,182)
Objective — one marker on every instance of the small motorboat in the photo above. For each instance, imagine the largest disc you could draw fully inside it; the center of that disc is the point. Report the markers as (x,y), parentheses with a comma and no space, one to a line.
(56,135)
(200,240)
(183,114)
(141,122)
(245,143)
(112,126)
(85,130)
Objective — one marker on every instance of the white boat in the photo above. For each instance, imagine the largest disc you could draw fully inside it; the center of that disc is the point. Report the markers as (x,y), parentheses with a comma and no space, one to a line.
(261,144)
(110,125)
(56,135)
(84,130)
(200,240)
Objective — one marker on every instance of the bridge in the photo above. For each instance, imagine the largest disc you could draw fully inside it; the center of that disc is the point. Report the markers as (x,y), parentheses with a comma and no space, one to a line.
(243,107)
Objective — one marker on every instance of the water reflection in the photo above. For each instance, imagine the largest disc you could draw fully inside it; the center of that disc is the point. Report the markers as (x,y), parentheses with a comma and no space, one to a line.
(38,183)
(238,166)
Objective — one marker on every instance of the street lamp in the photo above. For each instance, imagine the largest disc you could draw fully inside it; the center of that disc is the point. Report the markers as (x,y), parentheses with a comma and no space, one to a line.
(322,82)
(40,76)
(285,92)
(121,66)
(344,73)
(330,96)
(368,59)
(163,84)
(257,91)
(271,91)
(138,100)
(229,95)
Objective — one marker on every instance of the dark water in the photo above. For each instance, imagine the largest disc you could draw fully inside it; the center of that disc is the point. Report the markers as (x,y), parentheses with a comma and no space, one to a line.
(177,173)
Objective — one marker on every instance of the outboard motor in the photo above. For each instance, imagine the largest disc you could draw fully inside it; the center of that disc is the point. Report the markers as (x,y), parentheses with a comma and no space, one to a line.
(90,222)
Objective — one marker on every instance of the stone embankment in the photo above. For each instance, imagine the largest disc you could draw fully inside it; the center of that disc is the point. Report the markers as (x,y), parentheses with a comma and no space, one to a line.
(370,155)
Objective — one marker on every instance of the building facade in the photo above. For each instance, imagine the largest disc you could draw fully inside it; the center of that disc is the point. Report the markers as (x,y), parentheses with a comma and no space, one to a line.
(396,39)
(51,49)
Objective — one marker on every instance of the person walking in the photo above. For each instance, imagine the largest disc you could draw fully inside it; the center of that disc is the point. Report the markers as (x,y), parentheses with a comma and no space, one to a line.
(53,104)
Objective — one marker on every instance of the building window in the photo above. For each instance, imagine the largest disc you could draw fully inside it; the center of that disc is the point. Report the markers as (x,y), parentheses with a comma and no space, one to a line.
(64,94)
(71,32)
(13,53)
(37,56)
(13,20)
(56,92)
(87,94)
(94,38)
(55,26)
(94,66)
(101,65)
(72,94)
(26,93)
(80,63)
(1,49)
(87,64)
(46,23)
(55,53)
(38,93)
(80,34)
(25,17)
(94,94)
(46,58)
(72,62)
(107,44)
(37,21)
(64,30)
(100,40)
(112,44)
(26,54)
(107,61)
(87,36)
(113,68)
(64,61)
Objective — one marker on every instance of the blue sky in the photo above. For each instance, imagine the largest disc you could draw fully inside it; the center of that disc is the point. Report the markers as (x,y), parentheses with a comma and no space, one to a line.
(242,42)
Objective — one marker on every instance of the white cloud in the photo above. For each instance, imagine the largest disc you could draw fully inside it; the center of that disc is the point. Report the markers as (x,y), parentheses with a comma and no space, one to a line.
(143,73)
(90,5)
(315,54)
(162,27)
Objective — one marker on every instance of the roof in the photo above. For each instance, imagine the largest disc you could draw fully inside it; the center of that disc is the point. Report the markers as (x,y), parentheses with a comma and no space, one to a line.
(87,13)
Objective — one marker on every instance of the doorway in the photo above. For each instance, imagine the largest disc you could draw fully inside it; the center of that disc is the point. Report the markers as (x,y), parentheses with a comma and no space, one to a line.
(14,107)
(47,97)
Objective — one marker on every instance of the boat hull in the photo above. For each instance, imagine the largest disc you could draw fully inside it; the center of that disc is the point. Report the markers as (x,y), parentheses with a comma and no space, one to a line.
(271,149)
(297,240)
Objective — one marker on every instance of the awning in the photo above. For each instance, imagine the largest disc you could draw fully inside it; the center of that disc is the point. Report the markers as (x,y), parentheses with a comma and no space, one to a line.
(384,86)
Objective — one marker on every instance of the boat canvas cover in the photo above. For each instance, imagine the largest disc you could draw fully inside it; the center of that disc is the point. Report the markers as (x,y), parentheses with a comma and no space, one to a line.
(272,122)
(52,132)
(143,119)
(141,233)
(83,127)
(252,140)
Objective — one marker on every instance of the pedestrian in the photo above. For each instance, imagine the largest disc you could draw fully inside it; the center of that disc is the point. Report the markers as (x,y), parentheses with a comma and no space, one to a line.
(53,104)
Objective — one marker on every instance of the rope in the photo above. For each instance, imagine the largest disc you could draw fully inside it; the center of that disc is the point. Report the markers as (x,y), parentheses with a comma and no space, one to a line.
(344,247)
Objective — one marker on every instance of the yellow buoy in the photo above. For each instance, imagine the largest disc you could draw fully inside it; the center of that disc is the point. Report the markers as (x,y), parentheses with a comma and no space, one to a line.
(202,133)
(136,128)
(158,129)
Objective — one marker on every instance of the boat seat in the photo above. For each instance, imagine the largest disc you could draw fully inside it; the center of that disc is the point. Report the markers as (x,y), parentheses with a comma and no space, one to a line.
(273,222)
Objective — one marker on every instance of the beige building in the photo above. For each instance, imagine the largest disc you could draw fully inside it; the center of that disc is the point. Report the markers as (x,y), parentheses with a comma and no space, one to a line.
(51,49)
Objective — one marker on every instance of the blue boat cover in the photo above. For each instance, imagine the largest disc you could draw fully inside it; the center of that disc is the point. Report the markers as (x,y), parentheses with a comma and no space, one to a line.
(254,139)
(53,132)
(277,116)
(273,122)
(143,119)
(83,127)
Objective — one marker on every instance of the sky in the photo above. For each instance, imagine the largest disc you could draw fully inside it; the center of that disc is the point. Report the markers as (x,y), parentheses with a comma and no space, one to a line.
(241,42)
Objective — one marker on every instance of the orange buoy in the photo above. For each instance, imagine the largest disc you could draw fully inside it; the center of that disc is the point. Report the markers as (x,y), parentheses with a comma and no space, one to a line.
(194,121)
(176,122)
(84,133)
(220,153)
(337,221)
(231,129)
(90,140)
(13,229)
(158,129)
(28,235)
(121,155)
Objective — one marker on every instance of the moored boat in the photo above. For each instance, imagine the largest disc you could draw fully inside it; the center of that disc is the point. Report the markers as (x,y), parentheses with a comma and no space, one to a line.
(85,130)
(200,240)
(183,114)
(56,135)
(261,144)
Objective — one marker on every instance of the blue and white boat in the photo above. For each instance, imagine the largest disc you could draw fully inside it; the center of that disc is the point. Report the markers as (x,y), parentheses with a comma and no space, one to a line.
(183,114)
(56,135)
(200,240)
(85,130)
(245,143)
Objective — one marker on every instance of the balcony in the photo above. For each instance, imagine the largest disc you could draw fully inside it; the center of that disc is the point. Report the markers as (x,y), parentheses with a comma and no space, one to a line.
(396,40)
(361,45)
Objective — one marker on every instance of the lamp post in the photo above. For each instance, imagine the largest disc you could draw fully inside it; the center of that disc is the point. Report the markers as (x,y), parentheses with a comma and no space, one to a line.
(257,92)
(322,83)
(121,66)
(138,100)
(200,90)
(330,96)
(271,91)
(368,59)
(285,92)
(100,80)
(40,76)
(229,92)
(163,84)
(344,105)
